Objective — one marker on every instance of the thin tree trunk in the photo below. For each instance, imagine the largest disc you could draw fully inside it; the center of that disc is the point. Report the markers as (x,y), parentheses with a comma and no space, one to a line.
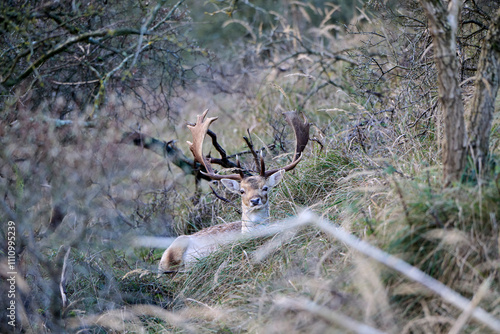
(443,24)
(480,115)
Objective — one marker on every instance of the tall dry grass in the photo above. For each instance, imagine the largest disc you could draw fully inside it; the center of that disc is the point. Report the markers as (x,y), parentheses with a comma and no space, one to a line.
(370,172)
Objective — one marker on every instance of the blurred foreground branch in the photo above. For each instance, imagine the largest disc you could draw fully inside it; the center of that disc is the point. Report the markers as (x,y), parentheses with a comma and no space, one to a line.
(327,314)
(400,266)
(411,272)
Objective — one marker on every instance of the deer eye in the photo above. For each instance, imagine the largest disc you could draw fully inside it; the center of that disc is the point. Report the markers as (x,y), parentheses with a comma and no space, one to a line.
(264,188)
(242,191)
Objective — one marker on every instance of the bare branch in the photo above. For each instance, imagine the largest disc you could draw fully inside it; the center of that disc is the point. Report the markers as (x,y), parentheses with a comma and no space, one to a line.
(165,149)
(8,81)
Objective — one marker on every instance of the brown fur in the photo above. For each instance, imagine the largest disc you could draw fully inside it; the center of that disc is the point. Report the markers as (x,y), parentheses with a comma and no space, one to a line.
(174,259)
(217,229)
(187,248)
(253,189)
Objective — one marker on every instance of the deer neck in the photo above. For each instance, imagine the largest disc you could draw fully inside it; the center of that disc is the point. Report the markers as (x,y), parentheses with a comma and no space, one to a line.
(253,217)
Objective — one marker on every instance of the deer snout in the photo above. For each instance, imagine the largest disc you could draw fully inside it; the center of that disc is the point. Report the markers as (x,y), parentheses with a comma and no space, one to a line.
(255,201)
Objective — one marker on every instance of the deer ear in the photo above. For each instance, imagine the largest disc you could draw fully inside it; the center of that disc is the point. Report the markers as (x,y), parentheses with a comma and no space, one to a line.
(276,178)
(232,185)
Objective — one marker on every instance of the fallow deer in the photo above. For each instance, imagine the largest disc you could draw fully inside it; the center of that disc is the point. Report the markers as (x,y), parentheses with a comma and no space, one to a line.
(253,190)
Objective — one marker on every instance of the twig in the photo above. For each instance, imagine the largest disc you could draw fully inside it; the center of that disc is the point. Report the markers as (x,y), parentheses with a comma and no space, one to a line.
(249,142)
(216,144)
(62,285)
(465,316)
(319,142)
(403,202)
(329,315)
(105,79)
(225,199)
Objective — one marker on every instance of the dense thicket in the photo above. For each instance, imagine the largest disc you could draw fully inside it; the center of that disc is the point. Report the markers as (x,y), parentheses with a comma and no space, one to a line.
(80,81)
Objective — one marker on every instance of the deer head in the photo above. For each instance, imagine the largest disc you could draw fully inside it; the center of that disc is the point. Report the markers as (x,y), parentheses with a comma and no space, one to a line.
(252,188)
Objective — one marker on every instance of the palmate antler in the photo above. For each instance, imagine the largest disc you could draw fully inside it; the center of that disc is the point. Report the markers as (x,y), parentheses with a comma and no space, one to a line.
(200,129)
(301,130)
